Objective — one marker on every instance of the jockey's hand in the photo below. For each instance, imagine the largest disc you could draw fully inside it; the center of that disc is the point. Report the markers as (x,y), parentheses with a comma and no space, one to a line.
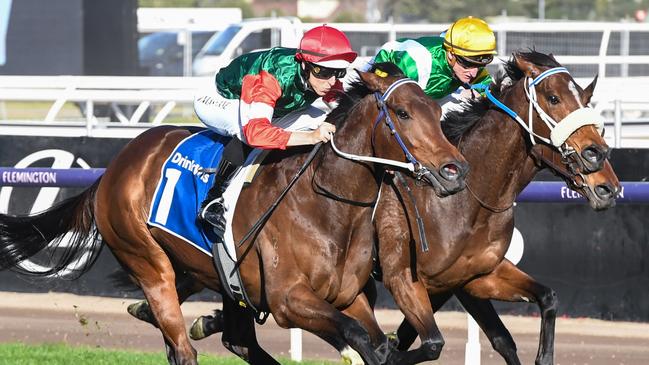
(323,133)
(469,94)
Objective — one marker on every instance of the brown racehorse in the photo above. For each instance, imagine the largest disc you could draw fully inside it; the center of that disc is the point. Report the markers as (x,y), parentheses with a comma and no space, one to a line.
(310,260)
(470,232)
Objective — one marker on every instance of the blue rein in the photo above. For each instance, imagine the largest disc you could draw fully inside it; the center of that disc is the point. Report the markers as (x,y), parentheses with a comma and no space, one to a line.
(485,89)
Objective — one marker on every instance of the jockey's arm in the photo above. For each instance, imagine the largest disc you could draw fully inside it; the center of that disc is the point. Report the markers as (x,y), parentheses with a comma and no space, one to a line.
(259,93)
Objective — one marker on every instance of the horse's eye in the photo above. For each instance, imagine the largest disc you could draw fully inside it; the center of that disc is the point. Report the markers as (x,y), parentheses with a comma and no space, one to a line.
(554,100)
(402,114)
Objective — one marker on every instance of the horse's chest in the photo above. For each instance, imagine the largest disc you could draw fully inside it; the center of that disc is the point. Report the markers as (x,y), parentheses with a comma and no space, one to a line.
(468,265)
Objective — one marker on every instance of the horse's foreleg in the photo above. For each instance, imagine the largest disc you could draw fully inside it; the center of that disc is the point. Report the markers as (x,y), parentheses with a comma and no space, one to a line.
(361,310)
(486,316)
(412,299)
(406,334)
(508,283)
(301,307)
(155,275)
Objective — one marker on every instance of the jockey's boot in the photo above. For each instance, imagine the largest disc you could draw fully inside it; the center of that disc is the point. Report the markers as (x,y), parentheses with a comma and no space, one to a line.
(213,209)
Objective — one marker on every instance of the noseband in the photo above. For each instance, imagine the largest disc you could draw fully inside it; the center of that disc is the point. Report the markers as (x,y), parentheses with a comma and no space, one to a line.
(419,170)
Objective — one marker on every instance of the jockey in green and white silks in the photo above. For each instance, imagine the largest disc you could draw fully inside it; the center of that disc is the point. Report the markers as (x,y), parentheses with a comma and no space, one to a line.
(261,98)
(443,65)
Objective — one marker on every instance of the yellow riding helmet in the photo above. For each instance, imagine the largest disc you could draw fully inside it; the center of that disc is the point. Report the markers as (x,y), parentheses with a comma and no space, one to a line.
(470,37)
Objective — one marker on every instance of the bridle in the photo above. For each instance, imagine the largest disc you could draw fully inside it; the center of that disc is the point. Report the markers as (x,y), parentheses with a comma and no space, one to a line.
(418,170)
(559,131)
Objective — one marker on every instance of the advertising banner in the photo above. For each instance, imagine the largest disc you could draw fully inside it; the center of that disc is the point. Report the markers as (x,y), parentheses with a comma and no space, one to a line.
(597,262)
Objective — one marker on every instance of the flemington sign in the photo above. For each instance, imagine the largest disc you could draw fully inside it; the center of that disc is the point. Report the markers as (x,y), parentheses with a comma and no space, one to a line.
(585,275)
(48,177)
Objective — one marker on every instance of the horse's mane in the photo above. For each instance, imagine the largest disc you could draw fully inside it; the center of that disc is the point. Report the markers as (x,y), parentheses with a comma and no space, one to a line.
(357,91)
(457,123)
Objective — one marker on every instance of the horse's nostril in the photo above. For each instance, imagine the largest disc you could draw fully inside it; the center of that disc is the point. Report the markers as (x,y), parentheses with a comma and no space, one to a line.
(591,155)
(603,191)
(595,154)
(450,171)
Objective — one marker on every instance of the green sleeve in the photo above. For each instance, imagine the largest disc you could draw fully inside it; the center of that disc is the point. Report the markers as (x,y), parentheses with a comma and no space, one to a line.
(401,59)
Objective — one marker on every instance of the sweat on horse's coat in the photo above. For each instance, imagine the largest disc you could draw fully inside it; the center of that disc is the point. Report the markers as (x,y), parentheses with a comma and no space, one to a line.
(309,262)
(468,245)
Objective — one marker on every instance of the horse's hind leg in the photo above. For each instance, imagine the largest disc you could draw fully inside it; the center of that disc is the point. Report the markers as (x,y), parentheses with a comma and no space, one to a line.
(509,283)
(484,313)
(239,334)
(186,286)
(155,275)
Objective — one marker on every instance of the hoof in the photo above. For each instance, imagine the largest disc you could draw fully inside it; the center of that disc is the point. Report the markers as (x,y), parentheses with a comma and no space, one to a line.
(141,311)
(351,357)
(393,339)
(197,329)
(205,326)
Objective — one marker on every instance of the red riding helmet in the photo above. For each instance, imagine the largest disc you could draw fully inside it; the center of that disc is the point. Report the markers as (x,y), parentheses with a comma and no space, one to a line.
(327,47)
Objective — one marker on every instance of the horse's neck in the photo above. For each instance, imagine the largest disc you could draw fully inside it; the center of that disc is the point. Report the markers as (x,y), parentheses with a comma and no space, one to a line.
(342,175)
(497,152)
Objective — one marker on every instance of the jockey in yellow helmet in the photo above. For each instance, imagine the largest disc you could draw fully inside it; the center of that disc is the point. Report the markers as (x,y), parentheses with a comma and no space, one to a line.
(443,64)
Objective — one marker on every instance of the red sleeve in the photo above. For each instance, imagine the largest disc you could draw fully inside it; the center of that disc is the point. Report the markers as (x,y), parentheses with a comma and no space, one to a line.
(261,134)
(258,96)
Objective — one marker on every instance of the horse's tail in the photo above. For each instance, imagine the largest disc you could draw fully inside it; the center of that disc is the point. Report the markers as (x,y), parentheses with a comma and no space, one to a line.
(23,237)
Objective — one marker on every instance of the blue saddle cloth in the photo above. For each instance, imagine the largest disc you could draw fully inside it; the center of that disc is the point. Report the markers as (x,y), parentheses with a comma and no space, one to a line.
(182,188)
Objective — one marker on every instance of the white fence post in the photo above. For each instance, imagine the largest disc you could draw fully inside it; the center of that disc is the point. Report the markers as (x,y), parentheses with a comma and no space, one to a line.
(472,348)
(618,124)
(296,344)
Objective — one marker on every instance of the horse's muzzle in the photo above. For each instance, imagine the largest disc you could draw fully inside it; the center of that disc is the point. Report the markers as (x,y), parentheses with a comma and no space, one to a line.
(448,179)
(601,196)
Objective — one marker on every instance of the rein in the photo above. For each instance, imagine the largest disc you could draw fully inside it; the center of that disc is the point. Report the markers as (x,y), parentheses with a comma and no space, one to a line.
(482,202)
(559,131)
(488,206)
(264,217)
(412,165)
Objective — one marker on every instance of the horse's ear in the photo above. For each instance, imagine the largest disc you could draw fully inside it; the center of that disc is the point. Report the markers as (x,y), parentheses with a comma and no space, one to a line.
(552,57)
(527,67)
(588,91)
(373,80)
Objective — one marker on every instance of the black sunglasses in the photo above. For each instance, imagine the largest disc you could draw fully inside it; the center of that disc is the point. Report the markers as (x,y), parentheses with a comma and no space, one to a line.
(474,61)
(325,73)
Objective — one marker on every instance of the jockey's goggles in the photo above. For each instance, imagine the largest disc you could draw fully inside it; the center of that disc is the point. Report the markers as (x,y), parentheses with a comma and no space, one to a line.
(474,61)
(325,73)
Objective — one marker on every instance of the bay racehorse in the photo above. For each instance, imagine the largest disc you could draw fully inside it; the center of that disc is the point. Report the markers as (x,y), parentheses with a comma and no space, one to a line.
(469,233)
(310,260)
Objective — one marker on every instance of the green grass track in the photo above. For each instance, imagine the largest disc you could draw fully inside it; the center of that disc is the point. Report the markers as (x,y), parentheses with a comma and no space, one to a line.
(60,354)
